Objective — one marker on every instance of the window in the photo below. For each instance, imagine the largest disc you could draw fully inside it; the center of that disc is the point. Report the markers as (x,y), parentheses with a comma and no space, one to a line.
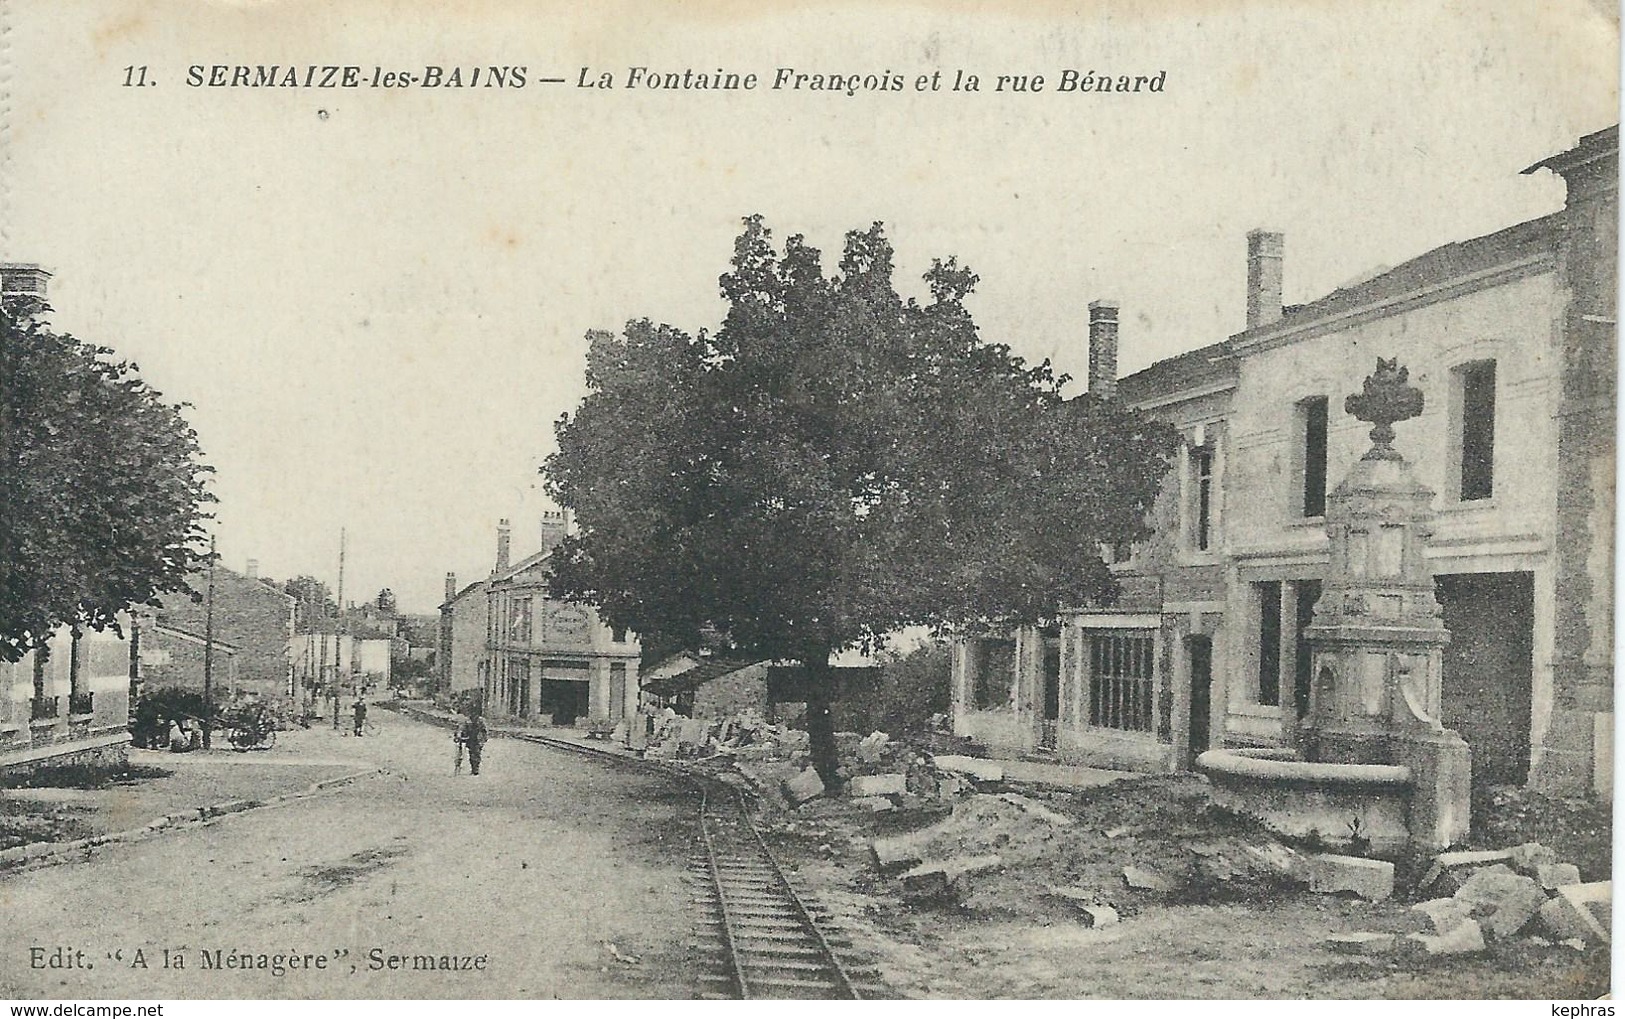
(995,672)
(519,620)
(1312,438)
(1122,667)
(618,635)
(1202,497)
(1269,642)
(1475,426)
(1283,654)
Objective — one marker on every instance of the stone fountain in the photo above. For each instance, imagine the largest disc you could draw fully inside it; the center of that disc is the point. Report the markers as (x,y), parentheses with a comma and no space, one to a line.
(1374,766)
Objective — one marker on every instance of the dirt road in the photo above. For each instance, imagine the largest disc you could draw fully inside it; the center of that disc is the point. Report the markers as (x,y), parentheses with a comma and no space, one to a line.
(546,876)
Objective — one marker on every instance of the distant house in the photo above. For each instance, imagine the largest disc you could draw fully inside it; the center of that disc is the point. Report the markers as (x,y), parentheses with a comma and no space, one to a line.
(343,662)
(252,615)
(532,656)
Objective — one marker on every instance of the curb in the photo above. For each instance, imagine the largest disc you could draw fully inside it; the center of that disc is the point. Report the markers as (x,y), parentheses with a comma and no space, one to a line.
(47,854)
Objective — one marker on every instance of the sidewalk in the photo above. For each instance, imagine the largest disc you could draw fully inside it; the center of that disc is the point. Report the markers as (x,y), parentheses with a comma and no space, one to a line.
(195,780)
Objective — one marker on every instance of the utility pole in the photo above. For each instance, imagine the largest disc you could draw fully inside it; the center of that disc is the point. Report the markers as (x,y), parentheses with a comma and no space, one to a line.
(208,654)
(338,638)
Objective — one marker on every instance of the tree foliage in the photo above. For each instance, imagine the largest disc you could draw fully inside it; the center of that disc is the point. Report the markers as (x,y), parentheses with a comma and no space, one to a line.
(835,462)
(315,600)
(102,491)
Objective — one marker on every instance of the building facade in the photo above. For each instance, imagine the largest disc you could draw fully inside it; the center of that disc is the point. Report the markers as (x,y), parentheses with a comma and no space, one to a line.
(533,656)
(250,614)
(1510,336)
(69,702)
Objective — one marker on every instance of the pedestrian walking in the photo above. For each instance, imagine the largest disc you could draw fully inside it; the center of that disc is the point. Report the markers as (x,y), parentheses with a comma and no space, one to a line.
(471,735)
(360,714)
(457,741)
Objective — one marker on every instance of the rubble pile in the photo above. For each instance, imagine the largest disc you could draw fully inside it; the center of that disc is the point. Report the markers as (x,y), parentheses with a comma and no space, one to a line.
(1478,898)
(1072,856)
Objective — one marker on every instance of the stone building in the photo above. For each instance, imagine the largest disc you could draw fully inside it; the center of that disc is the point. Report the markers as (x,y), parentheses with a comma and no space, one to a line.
(535,657)
(70,702)
(1510,338)
(251,614)
(1128,684)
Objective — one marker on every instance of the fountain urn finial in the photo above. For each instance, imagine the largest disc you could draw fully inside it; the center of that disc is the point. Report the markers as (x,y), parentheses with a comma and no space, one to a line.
(1388,397)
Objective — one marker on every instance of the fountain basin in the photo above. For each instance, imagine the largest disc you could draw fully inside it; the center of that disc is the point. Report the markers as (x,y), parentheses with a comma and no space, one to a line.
(1349,806)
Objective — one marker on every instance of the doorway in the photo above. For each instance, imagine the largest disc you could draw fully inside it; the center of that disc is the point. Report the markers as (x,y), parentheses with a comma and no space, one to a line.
(1199,653)
(1489,670)
(1049,731)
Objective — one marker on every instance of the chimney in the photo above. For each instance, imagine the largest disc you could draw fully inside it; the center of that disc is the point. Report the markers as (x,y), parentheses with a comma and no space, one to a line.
(504,540)
(555,525)
(253,571)
(22,281)
(451,586)
(1103,349)
(1264,253)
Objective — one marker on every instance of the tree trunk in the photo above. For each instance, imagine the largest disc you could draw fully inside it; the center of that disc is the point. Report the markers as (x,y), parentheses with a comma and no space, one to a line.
(820,720)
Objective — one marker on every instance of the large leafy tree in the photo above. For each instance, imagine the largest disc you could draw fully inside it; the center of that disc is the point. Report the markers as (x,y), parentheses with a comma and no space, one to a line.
(102,491)
(835,462)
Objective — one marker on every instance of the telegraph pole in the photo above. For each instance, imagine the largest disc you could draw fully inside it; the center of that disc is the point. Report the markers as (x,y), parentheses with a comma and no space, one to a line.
(208,653)
(338,629)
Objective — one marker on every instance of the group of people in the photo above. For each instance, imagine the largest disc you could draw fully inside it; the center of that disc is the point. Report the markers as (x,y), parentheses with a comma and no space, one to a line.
(184,734)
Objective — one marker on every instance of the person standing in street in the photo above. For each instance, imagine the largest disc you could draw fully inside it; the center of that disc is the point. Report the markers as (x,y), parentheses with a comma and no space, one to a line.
(471,736)
(360,714)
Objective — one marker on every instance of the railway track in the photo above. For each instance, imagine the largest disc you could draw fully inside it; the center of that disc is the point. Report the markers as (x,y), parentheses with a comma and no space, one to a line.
(776,943)
(765,939)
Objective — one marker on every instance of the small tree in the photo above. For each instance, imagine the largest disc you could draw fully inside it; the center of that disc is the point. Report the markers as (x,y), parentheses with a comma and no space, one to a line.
(101,487)
(834,463)
(315,600)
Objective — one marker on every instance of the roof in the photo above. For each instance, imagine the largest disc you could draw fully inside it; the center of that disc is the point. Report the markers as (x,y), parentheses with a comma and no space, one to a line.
(1446,262)
(187,635)
(711,668)
(1194,369)
(1596,145)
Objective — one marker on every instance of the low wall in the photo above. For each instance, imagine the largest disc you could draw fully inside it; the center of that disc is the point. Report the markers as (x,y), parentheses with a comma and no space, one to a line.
(1358,806)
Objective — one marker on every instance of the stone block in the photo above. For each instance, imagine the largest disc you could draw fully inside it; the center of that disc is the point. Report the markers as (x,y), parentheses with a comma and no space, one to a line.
(1503,903)
(925,883)
(872,747)
(875,804)
(877,785)
(1443,915)
(805,785)
(939,879)
(1579,911)
(1458,865)
(1553,876)
(1529,857)
(978,768)
(1362,943)
(1372,880)
(949,786)
(1146,880)
(1277,859)
(1463,940)
(1033,807)
(895,854)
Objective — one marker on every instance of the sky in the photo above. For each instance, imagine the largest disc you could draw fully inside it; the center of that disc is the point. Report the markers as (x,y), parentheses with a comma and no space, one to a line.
(375,300)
